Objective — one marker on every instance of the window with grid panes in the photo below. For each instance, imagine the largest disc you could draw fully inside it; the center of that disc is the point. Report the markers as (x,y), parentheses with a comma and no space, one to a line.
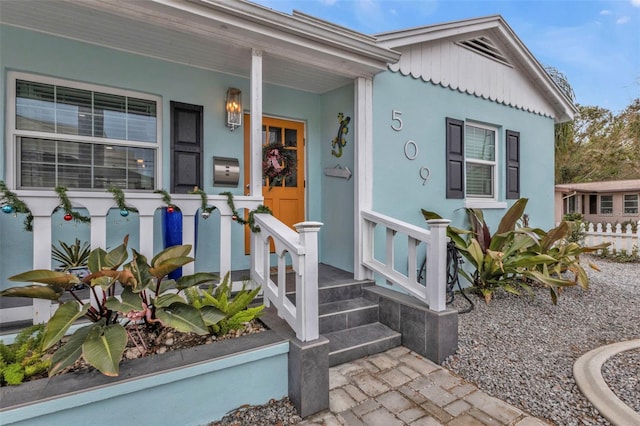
(83,136)
(606,204)
(480,161)
(630,204)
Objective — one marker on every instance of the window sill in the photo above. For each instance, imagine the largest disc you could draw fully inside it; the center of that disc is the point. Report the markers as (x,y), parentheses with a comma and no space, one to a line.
(485,204)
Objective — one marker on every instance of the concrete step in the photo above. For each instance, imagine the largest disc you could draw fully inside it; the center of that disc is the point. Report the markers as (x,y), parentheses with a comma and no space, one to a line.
(343,314)
(353,343)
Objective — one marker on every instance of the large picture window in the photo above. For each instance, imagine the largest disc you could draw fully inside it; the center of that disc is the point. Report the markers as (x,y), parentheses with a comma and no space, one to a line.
(83,136)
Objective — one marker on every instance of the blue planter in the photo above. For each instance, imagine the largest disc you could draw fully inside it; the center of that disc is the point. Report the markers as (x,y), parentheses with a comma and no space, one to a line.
(187,387)
(172,234)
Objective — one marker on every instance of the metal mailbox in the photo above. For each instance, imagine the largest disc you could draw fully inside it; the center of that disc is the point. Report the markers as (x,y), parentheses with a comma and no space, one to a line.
(226,171)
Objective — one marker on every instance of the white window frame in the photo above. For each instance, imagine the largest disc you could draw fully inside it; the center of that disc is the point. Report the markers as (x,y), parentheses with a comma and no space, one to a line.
(624,204)
(484,202)
(600,205)
(12,133)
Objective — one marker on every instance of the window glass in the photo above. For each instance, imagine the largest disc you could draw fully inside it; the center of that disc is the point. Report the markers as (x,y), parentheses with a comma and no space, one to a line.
(631,204)
(480,155)
(82,160)
(606,204)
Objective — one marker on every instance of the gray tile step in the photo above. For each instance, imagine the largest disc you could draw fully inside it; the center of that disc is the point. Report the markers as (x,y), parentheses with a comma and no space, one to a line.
(353,343)
(343,314)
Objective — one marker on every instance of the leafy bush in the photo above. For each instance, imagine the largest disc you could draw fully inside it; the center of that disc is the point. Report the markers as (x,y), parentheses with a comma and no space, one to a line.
(24,358)
(149,300)
(576,224)
(514,255)
(620,256)
(236,308)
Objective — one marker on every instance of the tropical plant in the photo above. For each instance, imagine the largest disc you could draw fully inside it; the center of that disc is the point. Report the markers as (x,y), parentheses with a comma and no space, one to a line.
(24,358)
(235,308)
(514,256)
(148,300)
(71,255)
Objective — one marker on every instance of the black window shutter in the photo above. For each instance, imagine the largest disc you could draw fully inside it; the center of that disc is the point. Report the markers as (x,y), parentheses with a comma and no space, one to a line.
(186,147)
(455,158)
(513,164)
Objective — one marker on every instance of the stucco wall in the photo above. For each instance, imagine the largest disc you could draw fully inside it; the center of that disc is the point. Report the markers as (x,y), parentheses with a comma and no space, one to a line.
(399,189)
(337,193)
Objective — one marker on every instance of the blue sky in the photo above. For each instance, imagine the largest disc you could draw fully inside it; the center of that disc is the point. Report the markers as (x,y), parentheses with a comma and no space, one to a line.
(595,43)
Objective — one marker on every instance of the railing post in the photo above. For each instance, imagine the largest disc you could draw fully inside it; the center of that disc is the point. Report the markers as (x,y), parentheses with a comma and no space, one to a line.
(437,265)
(307,304)
(41,260)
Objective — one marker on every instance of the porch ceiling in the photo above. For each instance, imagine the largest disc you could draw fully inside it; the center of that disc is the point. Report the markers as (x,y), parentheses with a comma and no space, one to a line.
(298,51)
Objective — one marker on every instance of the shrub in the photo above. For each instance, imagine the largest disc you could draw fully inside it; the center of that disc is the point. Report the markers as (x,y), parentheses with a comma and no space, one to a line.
(149,299)
(24,358)
(515,255)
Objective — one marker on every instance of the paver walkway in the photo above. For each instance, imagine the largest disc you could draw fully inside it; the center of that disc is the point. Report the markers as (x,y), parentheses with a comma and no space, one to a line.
(400,387)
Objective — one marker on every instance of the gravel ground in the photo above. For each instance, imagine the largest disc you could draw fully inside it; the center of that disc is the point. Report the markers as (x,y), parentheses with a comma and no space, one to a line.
(625,386)
(276,412)
(522,349)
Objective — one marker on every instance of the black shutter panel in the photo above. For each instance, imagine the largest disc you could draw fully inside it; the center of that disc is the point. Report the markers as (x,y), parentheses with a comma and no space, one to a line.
(455,158)
(513,164)
(186,147)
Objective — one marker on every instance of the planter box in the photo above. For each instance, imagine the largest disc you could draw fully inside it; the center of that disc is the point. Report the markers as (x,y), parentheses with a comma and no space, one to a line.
(186,387)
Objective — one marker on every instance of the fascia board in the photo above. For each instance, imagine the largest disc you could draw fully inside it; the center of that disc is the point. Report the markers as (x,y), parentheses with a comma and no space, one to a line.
(564,106)
(292,29)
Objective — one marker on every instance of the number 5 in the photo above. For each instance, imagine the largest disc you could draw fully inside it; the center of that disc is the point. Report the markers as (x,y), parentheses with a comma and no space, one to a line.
(395,116)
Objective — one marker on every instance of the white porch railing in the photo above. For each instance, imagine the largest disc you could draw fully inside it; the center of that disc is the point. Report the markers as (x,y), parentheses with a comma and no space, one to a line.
(302,249)
(620,240)
(43,203)
(434,292)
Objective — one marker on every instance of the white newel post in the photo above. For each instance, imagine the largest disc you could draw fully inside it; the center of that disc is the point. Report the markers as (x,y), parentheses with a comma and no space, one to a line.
(437,265)
(307,295)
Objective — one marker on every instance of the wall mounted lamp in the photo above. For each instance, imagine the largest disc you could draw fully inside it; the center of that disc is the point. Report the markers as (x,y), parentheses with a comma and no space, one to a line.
(234,108)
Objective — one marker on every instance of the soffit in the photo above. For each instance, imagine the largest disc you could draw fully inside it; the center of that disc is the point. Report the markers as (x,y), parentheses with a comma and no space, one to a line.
(443,54)
(206,34)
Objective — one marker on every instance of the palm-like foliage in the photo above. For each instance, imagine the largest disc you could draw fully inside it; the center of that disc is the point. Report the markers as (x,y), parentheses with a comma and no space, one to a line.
(515,256)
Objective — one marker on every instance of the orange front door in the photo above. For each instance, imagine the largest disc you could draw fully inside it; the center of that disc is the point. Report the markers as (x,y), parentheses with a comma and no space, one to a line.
(285,197)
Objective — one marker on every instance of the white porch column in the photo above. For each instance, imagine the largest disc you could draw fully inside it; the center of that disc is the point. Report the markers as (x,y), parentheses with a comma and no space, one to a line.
(437,265)
(256,123)
(363,175)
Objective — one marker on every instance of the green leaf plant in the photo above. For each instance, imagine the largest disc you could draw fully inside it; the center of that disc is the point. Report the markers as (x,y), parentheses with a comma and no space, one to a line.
(24,358)
(517,255)
(148,300)
(223,311)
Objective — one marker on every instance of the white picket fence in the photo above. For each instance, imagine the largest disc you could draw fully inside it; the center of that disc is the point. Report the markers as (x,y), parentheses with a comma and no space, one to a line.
(621,240)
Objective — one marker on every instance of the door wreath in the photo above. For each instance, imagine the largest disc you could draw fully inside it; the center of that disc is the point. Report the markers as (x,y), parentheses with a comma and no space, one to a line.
(278,163)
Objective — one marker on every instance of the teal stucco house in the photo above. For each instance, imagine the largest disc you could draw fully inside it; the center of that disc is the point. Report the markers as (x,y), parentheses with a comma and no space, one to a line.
(345,136)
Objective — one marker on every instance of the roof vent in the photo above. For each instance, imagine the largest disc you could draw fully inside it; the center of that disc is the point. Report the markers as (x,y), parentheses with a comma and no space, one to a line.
(485,47)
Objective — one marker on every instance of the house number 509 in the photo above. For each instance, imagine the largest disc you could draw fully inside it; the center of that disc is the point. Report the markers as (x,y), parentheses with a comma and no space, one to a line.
(395,116)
